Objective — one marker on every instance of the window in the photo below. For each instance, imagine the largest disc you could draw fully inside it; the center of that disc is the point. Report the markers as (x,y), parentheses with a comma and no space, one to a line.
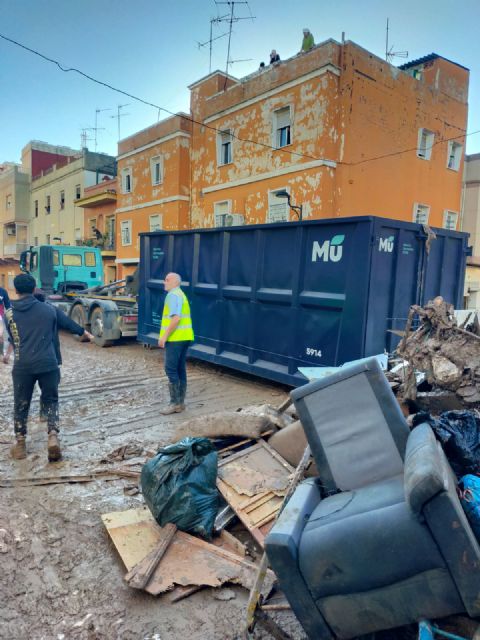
(127,180)
(90,259)
(56,258)
(71,260)
(224,147)
(78,234)
(156,169)
(78,192)
(450,220)
(421,213)
(35,241)
(47,204)
(282,127)
(126,231)
(454,155)
(277,207)
(156,222)
(62,199)
(8,201)
(425,143)
(47,239)
(221,210)
(35,205)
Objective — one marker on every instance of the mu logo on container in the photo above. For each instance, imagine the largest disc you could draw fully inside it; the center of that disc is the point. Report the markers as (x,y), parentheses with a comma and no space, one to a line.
(328,251)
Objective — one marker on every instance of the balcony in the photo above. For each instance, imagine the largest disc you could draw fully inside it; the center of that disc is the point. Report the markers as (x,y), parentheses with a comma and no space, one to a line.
(14,249)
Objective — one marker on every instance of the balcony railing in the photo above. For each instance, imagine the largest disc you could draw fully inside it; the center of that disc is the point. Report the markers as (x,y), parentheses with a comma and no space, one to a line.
(14,249)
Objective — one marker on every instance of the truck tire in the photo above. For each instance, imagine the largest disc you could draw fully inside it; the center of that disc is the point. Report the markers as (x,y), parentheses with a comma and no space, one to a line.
(96,325)
(79,316)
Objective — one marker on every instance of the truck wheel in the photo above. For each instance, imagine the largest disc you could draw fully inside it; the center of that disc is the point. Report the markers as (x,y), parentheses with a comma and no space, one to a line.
(79,316)
(97,324)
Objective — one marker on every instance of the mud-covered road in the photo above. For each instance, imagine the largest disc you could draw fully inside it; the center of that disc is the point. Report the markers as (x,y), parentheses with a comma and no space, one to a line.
(61,577)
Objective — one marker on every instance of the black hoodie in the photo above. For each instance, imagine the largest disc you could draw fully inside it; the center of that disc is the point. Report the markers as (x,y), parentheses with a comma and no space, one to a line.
(32,326)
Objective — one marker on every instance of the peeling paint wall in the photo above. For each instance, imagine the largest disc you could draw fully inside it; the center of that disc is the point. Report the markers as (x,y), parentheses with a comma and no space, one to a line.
(355,122)
(170,141)
(381,112)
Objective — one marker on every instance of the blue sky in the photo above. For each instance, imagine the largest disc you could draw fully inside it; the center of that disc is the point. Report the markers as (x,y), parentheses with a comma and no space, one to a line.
(149,48)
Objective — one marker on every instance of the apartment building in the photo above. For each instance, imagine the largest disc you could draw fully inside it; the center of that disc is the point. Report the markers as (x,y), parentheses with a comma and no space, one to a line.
(333,132)
(55,216)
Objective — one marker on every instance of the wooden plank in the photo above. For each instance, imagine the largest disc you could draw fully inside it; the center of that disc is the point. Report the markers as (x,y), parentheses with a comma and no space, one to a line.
(140,575)
(188,561)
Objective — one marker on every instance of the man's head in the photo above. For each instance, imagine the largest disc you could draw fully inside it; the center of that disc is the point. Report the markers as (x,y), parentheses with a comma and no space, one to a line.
(306,31)
(172,280)
(24,284)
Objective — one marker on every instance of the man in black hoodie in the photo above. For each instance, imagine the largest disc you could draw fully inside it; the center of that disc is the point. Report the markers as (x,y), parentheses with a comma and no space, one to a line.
(32,326)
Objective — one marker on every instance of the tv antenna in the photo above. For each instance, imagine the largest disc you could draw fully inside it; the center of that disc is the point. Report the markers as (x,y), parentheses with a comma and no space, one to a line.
(390,53)
(230,18)
(84,137)
(120,115)
(96,128)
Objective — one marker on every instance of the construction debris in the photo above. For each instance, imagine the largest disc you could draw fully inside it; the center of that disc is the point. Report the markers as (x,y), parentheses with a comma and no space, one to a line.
(188,561)
(224,423)
(290,443)
(448,354)
(253,482)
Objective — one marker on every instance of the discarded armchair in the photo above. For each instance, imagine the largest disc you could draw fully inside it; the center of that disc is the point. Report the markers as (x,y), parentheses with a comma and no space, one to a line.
(379,539)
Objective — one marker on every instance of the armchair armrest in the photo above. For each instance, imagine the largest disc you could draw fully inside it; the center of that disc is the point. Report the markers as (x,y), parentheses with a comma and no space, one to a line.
(425,472)
(282,544)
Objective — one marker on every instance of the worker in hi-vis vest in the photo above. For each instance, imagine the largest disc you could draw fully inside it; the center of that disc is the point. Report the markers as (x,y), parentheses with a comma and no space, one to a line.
(176,335)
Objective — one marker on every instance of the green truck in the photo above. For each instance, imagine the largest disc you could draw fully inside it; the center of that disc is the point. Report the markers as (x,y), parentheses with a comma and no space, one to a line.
(72,278)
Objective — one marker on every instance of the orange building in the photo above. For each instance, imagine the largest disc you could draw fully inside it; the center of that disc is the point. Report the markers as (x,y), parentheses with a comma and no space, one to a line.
(154,181)
(342,131)
(100,203)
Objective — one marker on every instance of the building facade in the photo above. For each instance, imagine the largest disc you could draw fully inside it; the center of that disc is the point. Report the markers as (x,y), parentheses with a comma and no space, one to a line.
(336,132)
(55,216)
(154,186)
(471,224)
(14,209)
(99,204)
(342,131)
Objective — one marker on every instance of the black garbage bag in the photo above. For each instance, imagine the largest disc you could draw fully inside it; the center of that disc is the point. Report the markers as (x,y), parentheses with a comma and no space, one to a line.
(459,434)
(179,485)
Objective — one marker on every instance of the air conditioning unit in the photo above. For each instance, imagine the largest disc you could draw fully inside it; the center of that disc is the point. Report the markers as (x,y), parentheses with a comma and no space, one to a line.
(229,219)
(473,286)
(11,231)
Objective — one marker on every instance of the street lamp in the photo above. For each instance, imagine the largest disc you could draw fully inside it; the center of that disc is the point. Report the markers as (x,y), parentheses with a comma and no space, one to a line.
(297,208)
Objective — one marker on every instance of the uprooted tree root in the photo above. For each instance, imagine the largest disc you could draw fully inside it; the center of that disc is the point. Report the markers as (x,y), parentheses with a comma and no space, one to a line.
(447,354)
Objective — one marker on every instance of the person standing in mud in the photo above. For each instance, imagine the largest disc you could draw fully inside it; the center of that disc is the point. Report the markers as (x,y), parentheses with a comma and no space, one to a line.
(176,335)
(32,326)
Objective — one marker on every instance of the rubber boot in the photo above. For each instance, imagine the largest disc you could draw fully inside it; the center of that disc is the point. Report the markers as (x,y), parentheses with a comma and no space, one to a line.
(19,449)
(181,395)
(54,451)
(174,406)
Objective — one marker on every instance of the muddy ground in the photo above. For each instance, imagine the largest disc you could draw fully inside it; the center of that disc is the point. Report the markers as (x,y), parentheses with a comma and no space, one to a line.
(61,577)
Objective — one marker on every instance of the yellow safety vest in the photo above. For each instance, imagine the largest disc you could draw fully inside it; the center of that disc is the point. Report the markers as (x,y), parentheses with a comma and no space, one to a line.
(184,330)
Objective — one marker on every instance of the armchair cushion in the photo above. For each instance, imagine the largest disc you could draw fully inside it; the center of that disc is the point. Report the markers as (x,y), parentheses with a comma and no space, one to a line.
(366,539)
(425,472)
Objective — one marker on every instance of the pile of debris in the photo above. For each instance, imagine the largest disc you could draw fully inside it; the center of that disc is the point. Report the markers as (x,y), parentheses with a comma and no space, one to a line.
(448,354)
(254,481)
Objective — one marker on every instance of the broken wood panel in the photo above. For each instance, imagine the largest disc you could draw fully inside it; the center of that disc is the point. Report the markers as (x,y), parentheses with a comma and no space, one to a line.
(188,561)
(253,482)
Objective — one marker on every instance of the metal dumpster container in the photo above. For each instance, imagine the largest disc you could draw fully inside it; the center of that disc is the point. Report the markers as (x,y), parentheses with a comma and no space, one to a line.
(267,299)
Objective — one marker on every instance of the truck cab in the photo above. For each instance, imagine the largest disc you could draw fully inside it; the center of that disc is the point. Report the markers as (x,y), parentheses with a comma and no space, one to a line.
(62,269)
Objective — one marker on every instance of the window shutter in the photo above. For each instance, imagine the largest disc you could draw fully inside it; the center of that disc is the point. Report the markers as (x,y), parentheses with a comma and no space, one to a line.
(283,117)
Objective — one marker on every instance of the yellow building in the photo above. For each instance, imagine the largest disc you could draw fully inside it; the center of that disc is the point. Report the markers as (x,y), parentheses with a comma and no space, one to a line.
(471,224)
(55,216)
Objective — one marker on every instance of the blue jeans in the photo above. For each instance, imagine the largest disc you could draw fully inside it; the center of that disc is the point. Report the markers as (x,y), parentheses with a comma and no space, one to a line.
(175,361)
